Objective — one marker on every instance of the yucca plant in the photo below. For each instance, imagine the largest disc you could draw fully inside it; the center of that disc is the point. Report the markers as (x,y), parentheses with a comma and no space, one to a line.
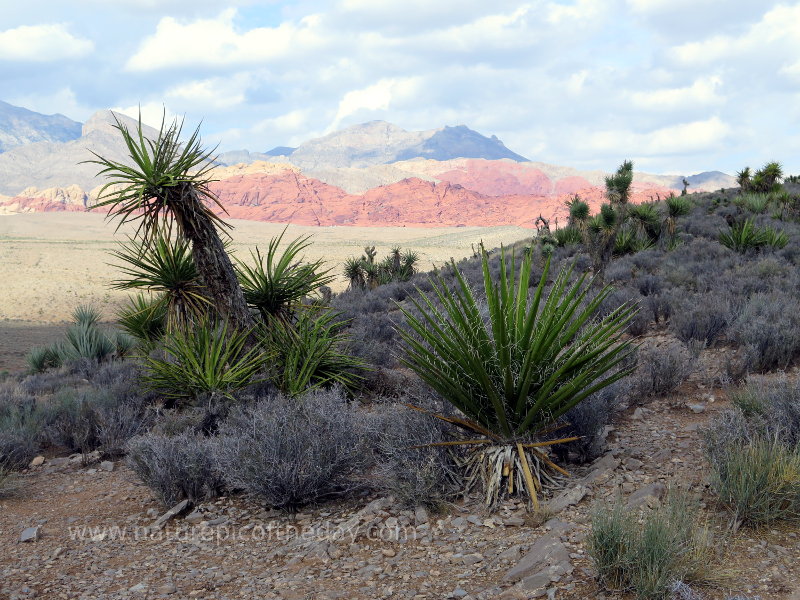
(742,236)
(86,314)
(756,203)
(208,361)
(355,273)
(568,236)
(309,353)
(85,341)
(40,359)
(516,366)
(645,220)
(578,212)
(166,182)
(278,281)
(164,267)
(774,238)
(144,318)
(674,208)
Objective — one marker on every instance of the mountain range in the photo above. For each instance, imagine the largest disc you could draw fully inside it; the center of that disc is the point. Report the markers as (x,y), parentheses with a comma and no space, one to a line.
(375,173)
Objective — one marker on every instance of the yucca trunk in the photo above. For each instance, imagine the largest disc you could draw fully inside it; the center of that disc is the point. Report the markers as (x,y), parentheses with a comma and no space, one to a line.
(213,262)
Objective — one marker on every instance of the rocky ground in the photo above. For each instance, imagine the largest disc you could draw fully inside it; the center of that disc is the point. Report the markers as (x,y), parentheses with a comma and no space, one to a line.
(94,531)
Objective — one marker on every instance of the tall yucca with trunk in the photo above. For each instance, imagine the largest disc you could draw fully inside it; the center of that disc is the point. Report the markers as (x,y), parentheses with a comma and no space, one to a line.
(166,185)
(516,365)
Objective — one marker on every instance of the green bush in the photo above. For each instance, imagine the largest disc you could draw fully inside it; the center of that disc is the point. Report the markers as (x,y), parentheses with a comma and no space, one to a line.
(144,318)
(647,556)
(310,353)
(568,236)
(42,358)
(745,236)
(759,480)
(277,282)
(515,365)
(207,360)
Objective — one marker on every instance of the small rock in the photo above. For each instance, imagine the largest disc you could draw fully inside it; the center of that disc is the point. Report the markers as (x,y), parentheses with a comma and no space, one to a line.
(567,498)
(472,559)
(194,517)
(38,461)
(697,408)
(29,534)
(166,588)
(170,514)
(653,492)
(388,552)
(107,465)
(139,588)
(638,414)
(458,593)
(421,515)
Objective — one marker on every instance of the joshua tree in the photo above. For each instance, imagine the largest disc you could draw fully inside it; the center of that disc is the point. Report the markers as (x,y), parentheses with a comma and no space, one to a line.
(744,179)
(165,185)
(604,227)
(685,186)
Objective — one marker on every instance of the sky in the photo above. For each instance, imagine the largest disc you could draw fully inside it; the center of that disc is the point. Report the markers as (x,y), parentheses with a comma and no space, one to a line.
(679,86)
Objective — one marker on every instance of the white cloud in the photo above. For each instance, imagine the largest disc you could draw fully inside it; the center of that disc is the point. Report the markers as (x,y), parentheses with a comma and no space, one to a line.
(216,42)
(582,10)
(42,43)
(152,113)
(684,138)
(376,97)
(214,93)
(63,101)
(702,93)
(777,33)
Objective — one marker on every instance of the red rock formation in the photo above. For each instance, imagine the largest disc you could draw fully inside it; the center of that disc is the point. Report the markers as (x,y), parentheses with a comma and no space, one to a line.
(289,197)
(500,178)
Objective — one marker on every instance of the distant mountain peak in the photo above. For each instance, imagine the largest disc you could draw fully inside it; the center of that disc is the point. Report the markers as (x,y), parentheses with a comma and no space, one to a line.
(20,126)
(104,121)
(383,143)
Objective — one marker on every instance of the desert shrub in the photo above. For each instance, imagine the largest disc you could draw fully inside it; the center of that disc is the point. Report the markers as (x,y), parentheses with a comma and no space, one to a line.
(647,557)
(409,468)
(758,481)
(568,236)
(43,358)
(9,482)
(290,452)
(176,467)
(100,417)
(20,434)
(72,420)
(702,317)
(588,421)
(754,451)
(768,327)
(662,369)
(206,361)
(754,202)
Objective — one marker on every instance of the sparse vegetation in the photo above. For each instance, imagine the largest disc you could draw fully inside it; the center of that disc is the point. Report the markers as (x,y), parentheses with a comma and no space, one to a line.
(647,556)
(175,468)
(292,452)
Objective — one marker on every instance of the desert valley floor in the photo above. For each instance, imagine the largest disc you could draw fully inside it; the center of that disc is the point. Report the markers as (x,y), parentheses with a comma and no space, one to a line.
(51,262)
